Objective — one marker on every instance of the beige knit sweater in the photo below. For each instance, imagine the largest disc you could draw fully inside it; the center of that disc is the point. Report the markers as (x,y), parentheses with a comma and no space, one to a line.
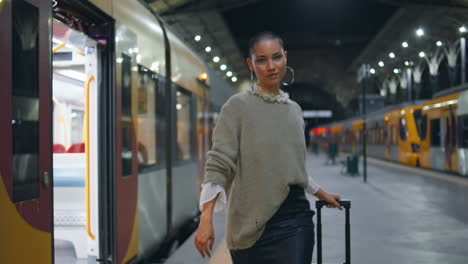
(259,145)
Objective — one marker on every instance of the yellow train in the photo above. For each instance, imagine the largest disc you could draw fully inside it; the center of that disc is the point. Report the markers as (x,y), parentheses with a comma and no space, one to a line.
(430,134)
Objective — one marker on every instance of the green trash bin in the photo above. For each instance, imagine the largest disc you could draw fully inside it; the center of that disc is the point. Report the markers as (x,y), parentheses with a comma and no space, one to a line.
(352,165)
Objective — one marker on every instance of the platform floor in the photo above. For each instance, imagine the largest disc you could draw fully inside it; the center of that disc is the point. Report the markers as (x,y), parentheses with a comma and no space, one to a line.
(401,215)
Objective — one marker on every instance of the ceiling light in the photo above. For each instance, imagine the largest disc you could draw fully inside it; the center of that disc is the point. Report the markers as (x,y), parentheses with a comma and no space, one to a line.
(234,79)
(381,63)
(396,71)
(208,49)
(419,32)
(462,29)
(372,71)
(223,67)
(422,54)
(197,38)
(391,55)
(229,73)
(216,59)
(405,44)
(439,43)
(407,63)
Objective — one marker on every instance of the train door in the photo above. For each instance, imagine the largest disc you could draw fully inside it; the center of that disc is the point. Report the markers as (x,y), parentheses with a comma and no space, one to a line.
(25,137)
(126,177)
(462,129)
(437,134)
(451,155)
(75,145)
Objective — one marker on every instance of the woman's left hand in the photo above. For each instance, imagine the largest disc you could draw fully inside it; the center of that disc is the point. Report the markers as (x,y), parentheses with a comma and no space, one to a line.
(330,198)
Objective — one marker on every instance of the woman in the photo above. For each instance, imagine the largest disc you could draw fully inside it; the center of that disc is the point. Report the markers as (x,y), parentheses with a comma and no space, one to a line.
(258,146)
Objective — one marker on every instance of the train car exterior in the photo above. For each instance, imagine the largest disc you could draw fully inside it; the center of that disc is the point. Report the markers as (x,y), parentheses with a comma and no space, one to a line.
(392,133)
(103,159)
(439,133)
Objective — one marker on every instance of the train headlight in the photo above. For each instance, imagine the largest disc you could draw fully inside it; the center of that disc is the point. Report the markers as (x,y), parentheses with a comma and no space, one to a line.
(415,148)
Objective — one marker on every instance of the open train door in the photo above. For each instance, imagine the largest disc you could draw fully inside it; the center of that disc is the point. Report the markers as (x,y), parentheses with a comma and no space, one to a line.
(25,137)
(126,176)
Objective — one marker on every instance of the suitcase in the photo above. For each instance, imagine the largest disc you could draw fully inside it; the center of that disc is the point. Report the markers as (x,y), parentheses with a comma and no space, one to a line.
(347,205)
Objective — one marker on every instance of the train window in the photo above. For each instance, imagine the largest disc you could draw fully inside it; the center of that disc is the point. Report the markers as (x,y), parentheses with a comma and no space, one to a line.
(127,122)
(146,105)
(463,131)
(417,114)
(25,122)
(161,118)
(184,123)
(423,127)
(402,127)
(435,132)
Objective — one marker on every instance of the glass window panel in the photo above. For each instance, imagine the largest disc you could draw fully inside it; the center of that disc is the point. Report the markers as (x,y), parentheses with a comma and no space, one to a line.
(127,124)
(435,132)
(147,134)
(463,123)
(25,123)
(183,107)
(402,129)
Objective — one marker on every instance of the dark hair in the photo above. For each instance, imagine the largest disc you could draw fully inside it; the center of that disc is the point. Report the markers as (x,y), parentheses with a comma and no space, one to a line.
(265,35)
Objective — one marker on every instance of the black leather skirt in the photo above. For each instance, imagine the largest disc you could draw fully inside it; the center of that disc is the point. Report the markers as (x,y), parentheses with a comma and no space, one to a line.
(288,237)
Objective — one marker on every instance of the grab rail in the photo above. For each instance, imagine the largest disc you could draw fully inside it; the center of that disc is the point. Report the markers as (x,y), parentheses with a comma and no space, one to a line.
(87,151)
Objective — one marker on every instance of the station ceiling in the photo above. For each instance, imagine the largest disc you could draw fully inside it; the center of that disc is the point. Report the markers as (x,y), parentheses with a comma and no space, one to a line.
(325,40)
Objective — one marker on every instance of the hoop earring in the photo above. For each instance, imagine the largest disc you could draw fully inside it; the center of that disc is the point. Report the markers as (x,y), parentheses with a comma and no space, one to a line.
(292,79)
(252,87)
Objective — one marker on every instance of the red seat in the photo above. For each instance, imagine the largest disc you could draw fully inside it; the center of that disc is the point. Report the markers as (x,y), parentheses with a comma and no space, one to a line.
(77,148)
(59,148)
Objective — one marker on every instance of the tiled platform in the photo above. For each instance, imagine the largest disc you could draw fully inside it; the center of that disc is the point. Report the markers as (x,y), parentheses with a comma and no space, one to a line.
(401,215)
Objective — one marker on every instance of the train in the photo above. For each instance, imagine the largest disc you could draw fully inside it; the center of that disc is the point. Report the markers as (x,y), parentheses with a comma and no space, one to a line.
(431,134)
(105,117)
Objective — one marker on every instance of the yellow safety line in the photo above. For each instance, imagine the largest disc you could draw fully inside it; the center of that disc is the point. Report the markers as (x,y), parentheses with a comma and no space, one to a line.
(59,46)
(423,172)
(87,151)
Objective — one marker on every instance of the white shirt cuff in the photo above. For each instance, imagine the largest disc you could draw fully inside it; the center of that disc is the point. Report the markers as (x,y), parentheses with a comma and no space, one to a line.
(312,187)
(209,192)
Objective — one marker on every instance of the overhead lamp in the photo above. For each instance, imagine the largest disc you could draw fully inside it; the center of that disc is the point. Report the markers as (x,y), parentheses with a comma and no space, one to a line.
(439,43)
(407,63)
(216,59)
(223,67)
(405,44)
(229,73)
(391,55)
(372,71)
(381,63)
(462,29)
(422,54)
(208,49)
(197,38)
(419,32)
(179,106)
(234,79)
(396,71)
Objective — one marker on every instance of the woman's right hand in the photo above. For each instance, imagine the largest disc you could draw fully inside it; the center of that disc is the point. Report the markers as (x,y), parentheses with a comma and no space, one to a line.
(204,237)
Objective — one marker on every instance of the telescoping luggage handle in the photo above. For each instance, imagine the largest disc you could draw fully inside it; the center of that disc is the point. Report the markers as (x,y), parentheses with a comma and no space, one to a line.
(347,205)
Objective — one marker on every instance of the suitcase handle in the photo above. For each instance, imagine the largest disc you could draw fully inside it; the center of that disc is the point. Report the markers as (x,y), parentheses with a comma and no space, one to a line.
(347,205)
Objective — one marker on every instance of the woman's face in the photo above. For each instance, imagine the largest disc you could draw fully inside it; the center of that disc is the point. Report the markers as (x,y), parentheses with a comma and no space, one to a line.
(268,61)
